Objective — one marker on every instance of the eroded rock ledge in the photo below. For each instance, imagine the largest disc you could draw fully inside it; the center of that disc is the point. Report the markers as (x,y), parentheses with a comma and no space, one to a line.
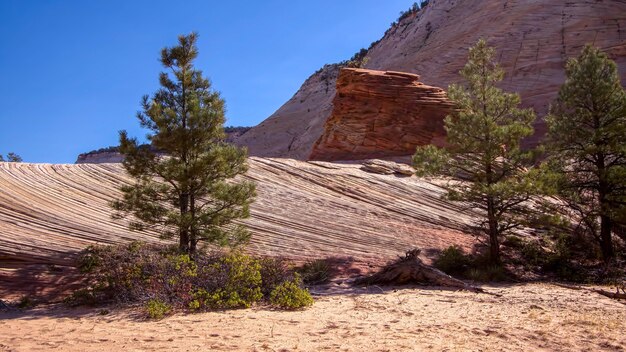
(381,114)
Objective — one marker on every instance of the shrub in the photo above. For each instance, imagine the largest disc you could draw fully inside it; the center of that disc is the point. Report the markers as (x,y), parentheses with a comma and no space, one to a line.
(90,258)
(614,275)
(534,253)
(358,60)
(315,272)
(452,261)
(233,281)
(572,272)
(291,295)
(26,302)
(274,271)
(412,10)
(135,272)
(555,258)
(487,273)
(513,241)
(237,129)
(559,260)
(157,309)
(82,297)
(142,273)
(552,255)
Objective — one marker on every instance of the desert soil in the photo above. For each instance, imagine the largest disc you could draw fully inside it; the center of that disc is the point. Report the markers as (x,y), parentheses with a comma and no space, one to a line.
(526,317)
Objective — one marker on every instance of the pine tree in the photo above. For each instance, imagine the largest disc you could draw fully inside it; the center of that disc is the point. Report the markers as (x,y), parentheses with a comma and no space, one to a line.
(587,143)
(12,158)
(184,184)
(483,160)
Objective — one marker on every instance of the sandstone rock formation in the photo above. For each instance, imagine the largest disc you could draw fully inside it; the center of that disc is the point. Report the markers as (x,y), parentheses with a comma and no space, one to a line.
(99,158)
(303,210)
(380,114)
(533,40)
(291,130)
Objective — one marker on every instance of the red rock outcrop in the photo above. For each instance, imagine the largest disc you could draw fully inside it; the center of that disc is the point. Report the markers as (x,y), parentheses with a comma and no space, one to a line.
(533,40)
(380,114)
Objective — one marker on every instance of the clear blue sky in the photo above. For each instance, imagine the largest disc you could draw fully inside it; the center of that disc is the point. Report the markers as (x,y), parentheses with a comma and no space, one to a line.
(73,72)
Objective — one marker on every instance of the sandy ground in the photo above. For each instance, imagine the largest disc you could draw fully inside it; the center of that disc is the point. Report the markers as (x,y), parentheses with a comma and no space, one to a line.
(529,317)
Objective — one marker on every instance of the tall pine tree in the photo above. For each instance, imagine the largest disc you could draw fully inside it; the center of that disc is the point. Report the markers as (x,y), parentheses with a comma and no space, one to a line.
(184,184)
(483,160)
(587,143)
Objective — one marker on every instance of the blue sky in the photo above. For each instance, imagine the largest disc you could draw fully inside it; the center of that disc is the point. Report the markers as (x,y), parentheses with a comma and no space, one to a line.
(72,72)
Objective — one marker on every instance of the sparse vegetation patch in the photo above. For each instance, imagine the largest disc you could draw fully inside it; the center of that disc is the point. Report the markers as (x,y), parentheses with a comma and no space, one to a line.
(163,280)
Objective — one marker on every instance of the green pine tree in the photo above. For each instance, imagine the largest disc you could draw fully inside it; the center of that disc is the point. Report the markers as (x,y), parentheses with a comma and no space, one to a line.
(184,184)
(12,158)
(587,143)
(483,161)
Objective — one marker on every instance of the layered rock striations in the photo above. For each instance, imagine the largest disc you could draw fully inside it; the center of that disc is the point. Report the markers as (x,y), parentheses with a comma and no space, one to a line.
(380,114)
(303,210)
(533,40)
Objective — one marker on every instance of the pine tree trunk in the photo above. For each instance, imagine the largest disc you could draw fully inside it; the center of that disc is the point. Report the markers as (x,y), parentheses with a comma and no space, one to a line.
(494,243)
(193,244)
(193,238)
(606,242)
(184,232)
(606,225)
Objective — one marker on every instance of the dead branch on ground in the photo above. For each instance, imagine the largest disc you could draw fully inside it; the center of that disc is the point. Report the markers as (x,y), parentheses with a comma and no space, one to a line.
(411,270)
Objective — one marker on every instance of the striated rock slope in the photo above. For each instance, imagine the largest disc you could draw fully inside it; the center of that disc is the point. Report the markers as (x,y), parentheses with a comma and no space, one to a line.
(533,41)
(379,114)
(304,210)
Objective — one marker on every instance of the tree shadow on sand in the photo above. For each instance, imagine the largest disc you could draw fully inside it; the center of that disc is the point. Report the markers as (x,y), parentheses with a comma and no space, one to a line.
(28,284)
